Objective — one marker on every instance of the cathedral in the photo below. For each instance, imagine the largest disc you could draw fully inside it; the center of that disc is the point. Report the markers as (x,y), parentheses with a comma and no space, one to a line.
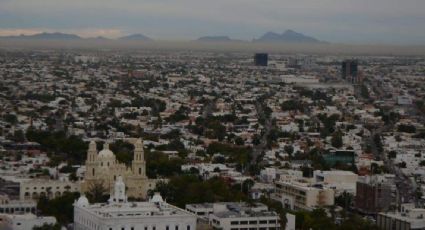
(103,168)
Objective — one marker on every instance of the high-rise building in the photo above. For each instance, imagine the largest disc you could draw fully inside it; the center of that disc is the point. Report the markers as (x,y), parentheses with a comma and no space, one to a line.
(349,70)
(373,195)
(261,59)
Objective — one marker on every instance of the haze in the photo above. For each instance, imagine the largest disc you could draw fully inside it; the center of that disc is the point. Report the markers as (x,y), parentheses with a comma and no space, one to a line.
(397,22)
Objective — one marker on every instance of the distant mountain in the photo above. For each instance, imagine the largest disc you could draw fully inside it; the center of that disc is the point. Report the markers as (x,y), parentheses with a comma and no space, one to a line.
(98,38)
(215,39)
(46,36)
(135,37)
(287,36)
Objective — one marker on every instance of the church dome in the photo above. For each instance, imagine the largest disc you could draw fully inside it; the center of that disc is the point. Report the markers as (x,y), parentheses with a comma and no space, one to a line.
(83,201)
(106,153)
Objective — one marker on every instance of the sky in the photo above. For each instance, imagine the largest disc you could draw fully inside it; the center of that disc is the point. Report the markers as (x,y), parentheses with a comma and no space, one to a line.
(341,21)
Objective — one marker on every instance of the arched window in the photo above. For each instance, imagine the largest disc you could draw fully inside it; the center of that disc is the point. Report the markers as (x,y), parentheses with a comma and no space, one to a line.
(93,171)
(140,171)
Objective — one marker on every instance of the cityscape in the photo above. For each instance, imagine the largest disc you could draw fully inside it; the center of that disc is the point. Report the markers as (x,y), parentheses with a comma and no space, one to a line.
(281,132)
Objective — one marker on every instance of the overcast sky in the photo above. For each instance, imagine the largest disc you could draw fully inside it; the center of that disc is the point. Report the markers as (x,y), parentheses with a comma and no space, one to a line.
(348,21)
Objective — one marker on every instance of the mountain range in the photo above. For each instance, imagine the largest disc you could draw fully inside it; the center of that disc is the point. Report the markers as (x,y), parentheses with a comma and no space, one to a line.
(216,39)
(289,36)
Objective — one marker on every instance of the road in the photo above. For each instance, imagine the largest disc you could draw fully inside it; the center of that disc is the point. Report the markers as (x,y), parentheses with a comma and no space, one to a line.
(261,147)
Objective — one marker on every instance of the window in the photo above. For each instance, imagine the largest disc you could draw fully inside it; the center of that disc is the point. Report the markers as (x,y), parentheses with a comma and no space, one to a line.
(272,221)
(140,171)
(122,228)
(244,222)
(132,228)
(177,227)
(263,221)
(253,222)
(234,222)
(167,227)
(146,228)
(188,227)
(153,228)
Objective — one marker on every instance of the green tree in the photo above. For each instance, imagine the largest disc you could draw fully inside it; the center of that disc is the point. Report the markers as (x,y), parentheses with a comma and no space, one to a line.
(336,140)
(47,227)
(60,207)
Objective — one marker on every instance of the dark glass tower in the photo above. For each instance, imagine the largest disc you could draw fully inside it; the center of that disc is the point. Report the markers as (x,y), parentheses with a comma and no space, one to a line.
(261,59)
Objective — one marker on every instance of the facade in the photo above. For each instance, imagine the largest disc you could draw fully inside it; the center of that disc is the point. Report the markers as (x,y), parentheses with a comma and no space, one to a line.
(373,195)
(299,195)
(33,189)
(119,214)
(103,168)
(236,216)
(24,222)
(408,218)
(261,59)
(16,206)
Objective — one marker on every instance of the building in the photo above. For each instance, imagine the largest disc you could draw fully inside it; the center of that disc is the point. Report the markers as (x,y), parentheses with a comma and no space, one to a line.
(120,214)
(340,181)
(233,215)
(349,70)
(345,157)
(24,222)
(408,218)
(373,195)
(33,189)
(261,59)
(103,168)
(300,195)
(9,206)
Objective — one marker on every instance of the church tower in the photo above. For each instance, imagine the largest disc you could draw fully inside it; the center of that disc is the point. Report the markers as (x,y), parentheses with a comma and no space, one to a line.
(91,162)
(139,164)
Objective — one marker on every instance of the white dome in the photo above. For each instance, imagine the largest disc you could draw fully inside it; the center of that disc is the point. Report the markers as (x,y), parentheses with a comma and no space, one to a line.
(83,201)
(106,153)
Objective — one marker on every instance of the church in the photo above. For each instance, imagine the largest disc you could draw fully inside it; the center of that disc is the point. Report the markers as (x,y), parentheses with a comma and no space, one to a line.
(103,168)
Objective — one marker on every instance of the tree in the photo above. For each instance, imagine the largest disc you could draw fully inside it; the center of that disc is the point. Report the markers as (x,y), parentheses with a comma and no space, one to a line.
(47,227)
(97,192)
(60,207)
(336,140)
(406,128)
(289,149)
(392,154)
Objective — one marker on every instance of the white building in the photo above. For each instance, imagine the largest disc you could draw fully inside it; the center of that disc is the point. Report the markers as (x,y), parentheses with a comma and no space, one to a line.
(119,214)
(233,215)
(9,206)
(408,218)
(340,181)
(34,188)
(300,195)
(24,222)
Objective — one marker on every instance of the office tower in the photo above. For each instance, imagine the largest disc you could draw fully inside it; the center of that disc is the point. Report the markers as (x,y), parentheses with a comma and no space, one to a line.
(350,70)
(261,59)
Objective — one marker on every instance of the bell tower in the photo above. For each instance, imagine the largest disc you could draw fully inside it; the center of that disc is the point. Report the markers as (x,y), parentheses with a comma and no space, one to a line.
(139,164)
(91,161)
